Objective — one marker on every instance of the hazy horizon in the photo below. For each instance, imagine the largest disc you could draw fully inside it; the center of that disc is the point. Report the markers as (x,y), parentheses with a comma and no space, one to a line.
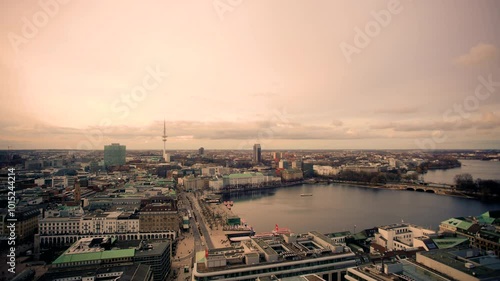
(227,74)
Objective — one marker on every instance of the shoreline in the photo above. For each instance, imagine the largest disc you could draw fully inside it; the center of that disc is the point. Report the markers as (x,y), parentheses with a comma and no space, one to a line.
(394,186)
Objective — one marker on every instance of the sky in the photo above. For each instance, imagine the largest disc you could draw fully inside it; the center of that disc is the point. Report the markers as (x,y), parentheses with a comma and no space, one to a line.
(225,74)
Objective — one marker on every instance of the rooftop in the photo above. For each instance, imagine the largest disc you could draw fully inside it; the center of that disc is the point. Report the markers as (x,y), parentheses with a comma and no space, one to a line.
(244,175)
(280,248)
(91,249)
(338,234)
(400,270)
(459,223)
(449,242)
(484,266)
(125,272)
(96,255)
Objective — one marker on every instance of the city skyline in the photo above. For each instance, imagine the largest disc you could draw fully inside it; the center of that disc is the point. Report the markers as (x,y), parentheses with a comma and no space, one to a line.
(286,75)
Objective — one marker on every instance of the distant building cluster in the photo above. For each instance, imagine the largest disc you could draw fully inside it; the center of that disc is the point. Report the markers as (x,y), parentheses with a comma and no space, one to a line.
(119,215)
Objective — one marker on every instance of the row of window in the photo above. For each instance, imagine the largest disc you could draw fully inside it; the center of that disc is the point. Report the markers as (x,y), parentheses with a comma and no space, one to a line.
(271,271)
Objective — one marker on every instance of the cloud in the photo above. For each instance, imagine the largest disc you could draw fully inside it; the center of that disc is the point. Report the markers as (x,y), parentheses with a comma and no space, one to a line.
(194,133)
(397,110)
(265,95)
(178,131)
(477,55)
(486,121)
(337,123)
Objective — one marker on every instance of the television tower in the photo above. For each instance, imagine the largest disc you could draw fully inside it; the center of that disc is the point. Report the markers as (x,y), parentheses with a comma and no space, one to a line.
(166,157)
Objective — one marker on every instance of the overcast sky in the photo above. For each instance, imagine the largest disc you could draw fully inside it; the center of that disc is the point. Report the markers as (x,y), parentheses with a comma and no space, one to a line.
(225,74)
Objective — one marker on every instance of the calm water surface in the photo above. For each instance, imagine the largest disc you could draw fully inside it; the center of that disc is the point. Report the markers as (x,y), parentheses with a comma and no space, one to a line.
(477,168)
(338,207)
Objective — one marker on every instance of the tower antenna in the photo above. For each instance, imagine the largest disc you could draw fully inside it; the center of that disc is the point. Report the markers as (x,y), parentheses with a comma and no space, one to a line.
(164,138)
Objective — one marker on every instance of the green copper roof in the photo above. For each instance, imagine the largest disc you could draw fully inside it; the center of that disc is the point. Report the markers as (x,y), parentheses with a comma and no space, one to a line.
(458,223)
(359,236)
(488,217)
(449,242)
(104,255)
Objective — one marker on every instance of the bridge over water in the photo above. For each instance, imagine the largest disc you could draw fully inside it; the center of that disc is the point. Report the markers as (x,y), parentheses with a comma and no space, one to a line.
(429,187)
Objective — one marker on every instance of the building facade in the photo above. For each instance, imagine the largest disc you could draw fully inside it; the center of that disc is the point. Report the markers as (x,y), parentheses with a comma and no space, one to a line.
(114,155)
(107,252)
(257,153)
(403,237)
(159,217)
(27,223)
(283,256)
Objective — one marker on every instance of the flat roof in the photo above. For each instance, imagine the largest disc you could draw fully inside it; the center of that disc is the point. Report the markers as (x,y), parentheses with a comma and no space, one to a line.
(290,252)
(456,258)
(458,223)
(89,249)
(322,237)
(102,255)
(159,246)
(267,249)
(409,270)
(338,234)
(449,242)
(244,175)
(132,271)
(394,226)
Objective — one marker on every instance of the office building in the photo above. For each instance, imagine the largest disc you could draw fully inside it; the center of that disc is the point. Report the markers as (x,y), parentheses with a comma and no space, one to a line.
(104,252)
(159,217)
(292,175)
(404,270)
(27,222)
(284,164)
(114,155)
(277,156)
(248,179)
(325,170)
(121,272)
(296,164)
(193,183)
(109,223)
(281,256)
(257,153)
(462,263)
(481,231)
(405,237)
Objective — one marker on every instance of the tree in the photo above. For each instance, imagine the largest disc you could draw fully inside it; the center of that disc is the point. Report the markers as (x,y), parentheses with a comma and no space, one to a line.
(465,182)
(488,189)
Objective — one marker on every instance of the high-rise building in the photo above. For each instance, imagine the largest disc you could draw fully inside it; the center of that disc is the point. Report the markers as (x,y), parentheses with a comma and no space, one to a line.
(114,154)
(201,151)
(277,156)
(257,157)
